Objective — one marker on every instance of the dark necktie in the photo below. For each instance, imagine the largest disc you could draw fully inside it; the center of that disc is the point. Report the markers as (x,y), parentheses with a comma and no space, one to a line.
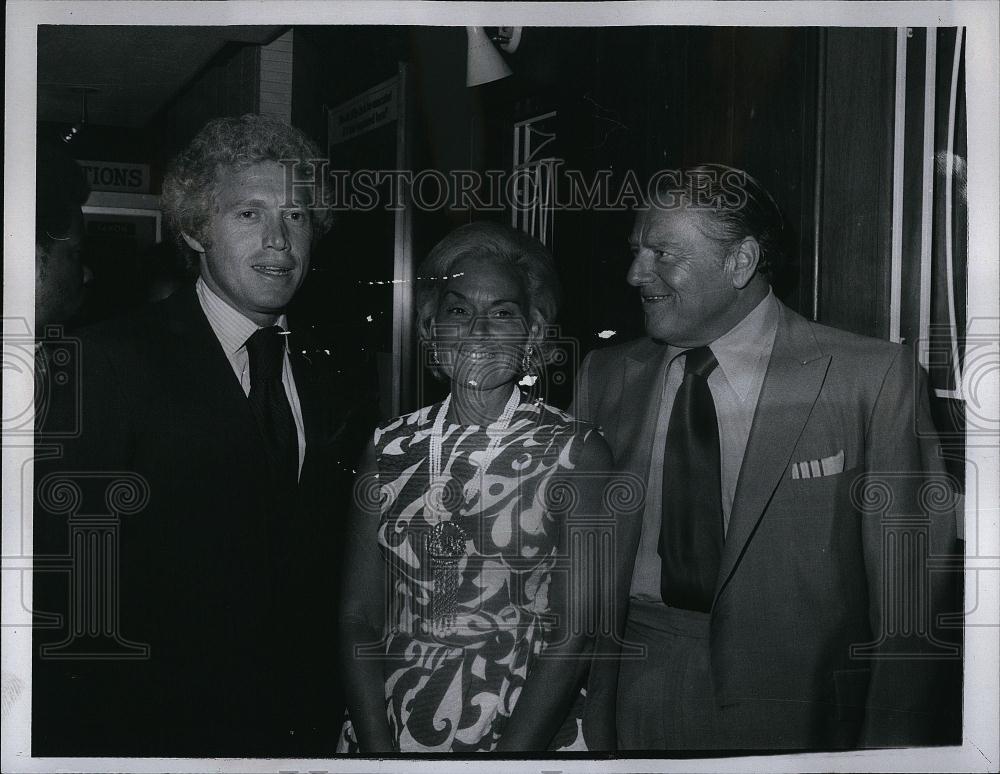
(269,403)
(691,530)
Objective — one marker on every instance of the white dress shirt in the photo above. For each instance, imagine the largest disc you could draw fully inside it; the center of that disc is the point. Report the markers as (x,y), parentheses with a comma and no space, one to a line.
(232,329)
(743,354)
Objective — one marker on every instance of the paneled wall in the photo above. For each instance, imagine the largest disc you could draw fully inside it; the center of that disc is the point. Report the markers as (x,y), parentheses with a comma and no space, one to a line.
(653,98)
(809,112)
(856,180)
(627,99)
(276,77)
(228,86)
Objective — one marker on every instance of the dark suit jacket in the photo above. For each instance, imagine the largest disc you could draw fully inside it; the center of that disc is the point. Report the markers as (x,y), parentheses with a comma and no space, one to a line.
(230,589)
(815,567)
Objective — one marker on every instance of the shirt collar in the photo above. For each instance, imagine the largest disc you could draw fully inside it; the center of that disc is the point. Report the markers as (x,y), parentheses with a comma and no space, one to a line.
(739,350)
(231,327)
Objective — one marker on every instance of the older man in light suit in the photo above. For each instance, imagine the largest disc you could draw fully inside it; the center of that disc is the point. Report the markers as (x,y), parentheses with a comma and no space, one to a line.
(779,577)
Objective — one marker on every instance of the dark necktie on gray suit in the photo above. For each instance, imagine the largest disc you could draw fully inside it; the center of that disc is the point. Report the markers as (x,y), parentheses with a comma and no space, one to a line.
(691,530)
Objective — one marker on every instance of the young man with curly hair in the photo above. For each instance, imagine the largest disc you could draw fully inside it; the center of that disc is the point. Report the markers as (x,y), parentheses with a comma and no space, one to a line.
(217,634)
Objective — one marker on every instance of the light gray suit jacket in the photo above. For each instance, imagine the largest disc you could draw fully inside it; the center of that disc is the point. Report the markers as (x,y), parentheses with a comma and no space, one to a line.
(810,613)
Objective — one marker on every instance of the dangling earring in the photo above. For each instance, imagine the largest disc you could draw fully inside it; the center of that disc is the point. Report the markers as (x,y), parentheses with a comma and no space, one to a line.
(526,365)
(435,359)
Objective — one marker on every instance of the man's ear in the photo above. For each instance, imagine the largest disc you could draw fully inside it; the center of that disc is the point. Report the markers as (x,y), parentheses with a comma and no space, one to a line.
(193,243)
(745,258)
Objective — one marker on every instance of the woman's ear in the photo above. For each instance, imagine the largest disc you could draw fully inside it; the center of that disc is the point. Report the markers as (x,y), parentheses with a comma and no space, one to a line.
(425,329)
(425,337)
(536,330)
(193,243)
(536,338)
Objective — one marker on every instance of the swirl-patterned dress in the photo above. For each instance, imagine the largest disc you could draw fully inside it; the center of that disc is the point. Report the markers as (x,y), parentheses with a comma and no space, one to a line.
(452,681)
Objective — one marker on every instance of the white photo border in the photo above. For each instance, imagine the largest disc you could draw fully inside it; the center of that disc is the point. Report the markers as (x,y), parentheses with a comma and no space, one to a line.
(980,751)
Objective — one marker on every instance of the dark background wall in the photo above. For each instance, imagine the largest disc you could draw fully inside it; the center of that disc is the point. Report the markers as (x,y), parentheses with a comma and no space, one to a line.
(639,99)
(855,235)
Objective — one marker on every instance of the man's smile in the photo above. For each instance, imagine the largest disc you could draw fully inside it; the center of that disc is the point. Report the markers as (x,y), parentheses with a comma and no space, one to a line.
(271,270)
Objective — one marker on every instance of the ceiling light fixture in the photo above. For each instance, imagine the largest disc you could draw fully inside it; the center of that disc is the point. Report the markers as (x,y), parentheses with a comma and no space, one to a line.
(484,62)
(73,132)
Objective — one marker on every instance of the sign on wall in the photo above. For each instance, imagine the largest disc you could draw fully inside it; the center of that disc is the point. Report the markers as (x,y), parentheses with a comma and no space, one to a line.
(367,111)
(116,176)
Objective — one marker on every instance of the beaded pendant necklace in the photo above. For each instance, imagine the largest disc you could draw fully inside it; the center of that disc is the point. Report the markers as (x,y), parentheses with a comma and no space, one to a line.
(446,541)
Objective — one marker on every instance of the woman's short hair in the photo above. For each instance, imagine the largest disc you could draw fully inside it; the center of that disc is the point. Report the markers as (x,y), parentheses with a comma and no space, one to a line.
(190,183)
(526,258)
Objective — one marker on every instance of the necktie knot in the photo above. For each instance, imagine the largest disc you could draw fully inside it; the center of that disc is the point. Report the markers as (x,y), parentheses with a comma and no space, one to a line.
(700,361)
(266,351)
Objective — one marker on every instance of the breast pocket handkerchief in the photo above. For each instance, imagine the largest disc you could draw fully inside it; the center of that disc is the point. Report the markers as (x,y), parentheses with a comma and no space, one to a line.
(828,466)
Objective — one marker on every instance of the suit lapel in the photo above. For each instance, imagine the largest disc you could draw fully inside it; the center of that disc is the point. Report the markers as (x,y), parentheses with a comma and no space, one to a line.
(310,401)
(200,357)
(635,424)
(324,414)
(793,381)
(200,352)
(638,407)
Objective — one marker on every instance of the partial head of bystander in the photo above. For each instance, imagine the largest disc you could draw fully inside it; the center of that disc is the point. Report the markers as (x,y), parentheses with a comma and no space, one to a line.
(60,274)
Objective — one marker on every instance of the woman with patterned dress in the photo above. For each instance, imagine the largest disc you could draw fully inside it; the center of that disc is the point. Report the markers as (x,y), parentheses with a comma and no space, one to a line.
(467,618)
